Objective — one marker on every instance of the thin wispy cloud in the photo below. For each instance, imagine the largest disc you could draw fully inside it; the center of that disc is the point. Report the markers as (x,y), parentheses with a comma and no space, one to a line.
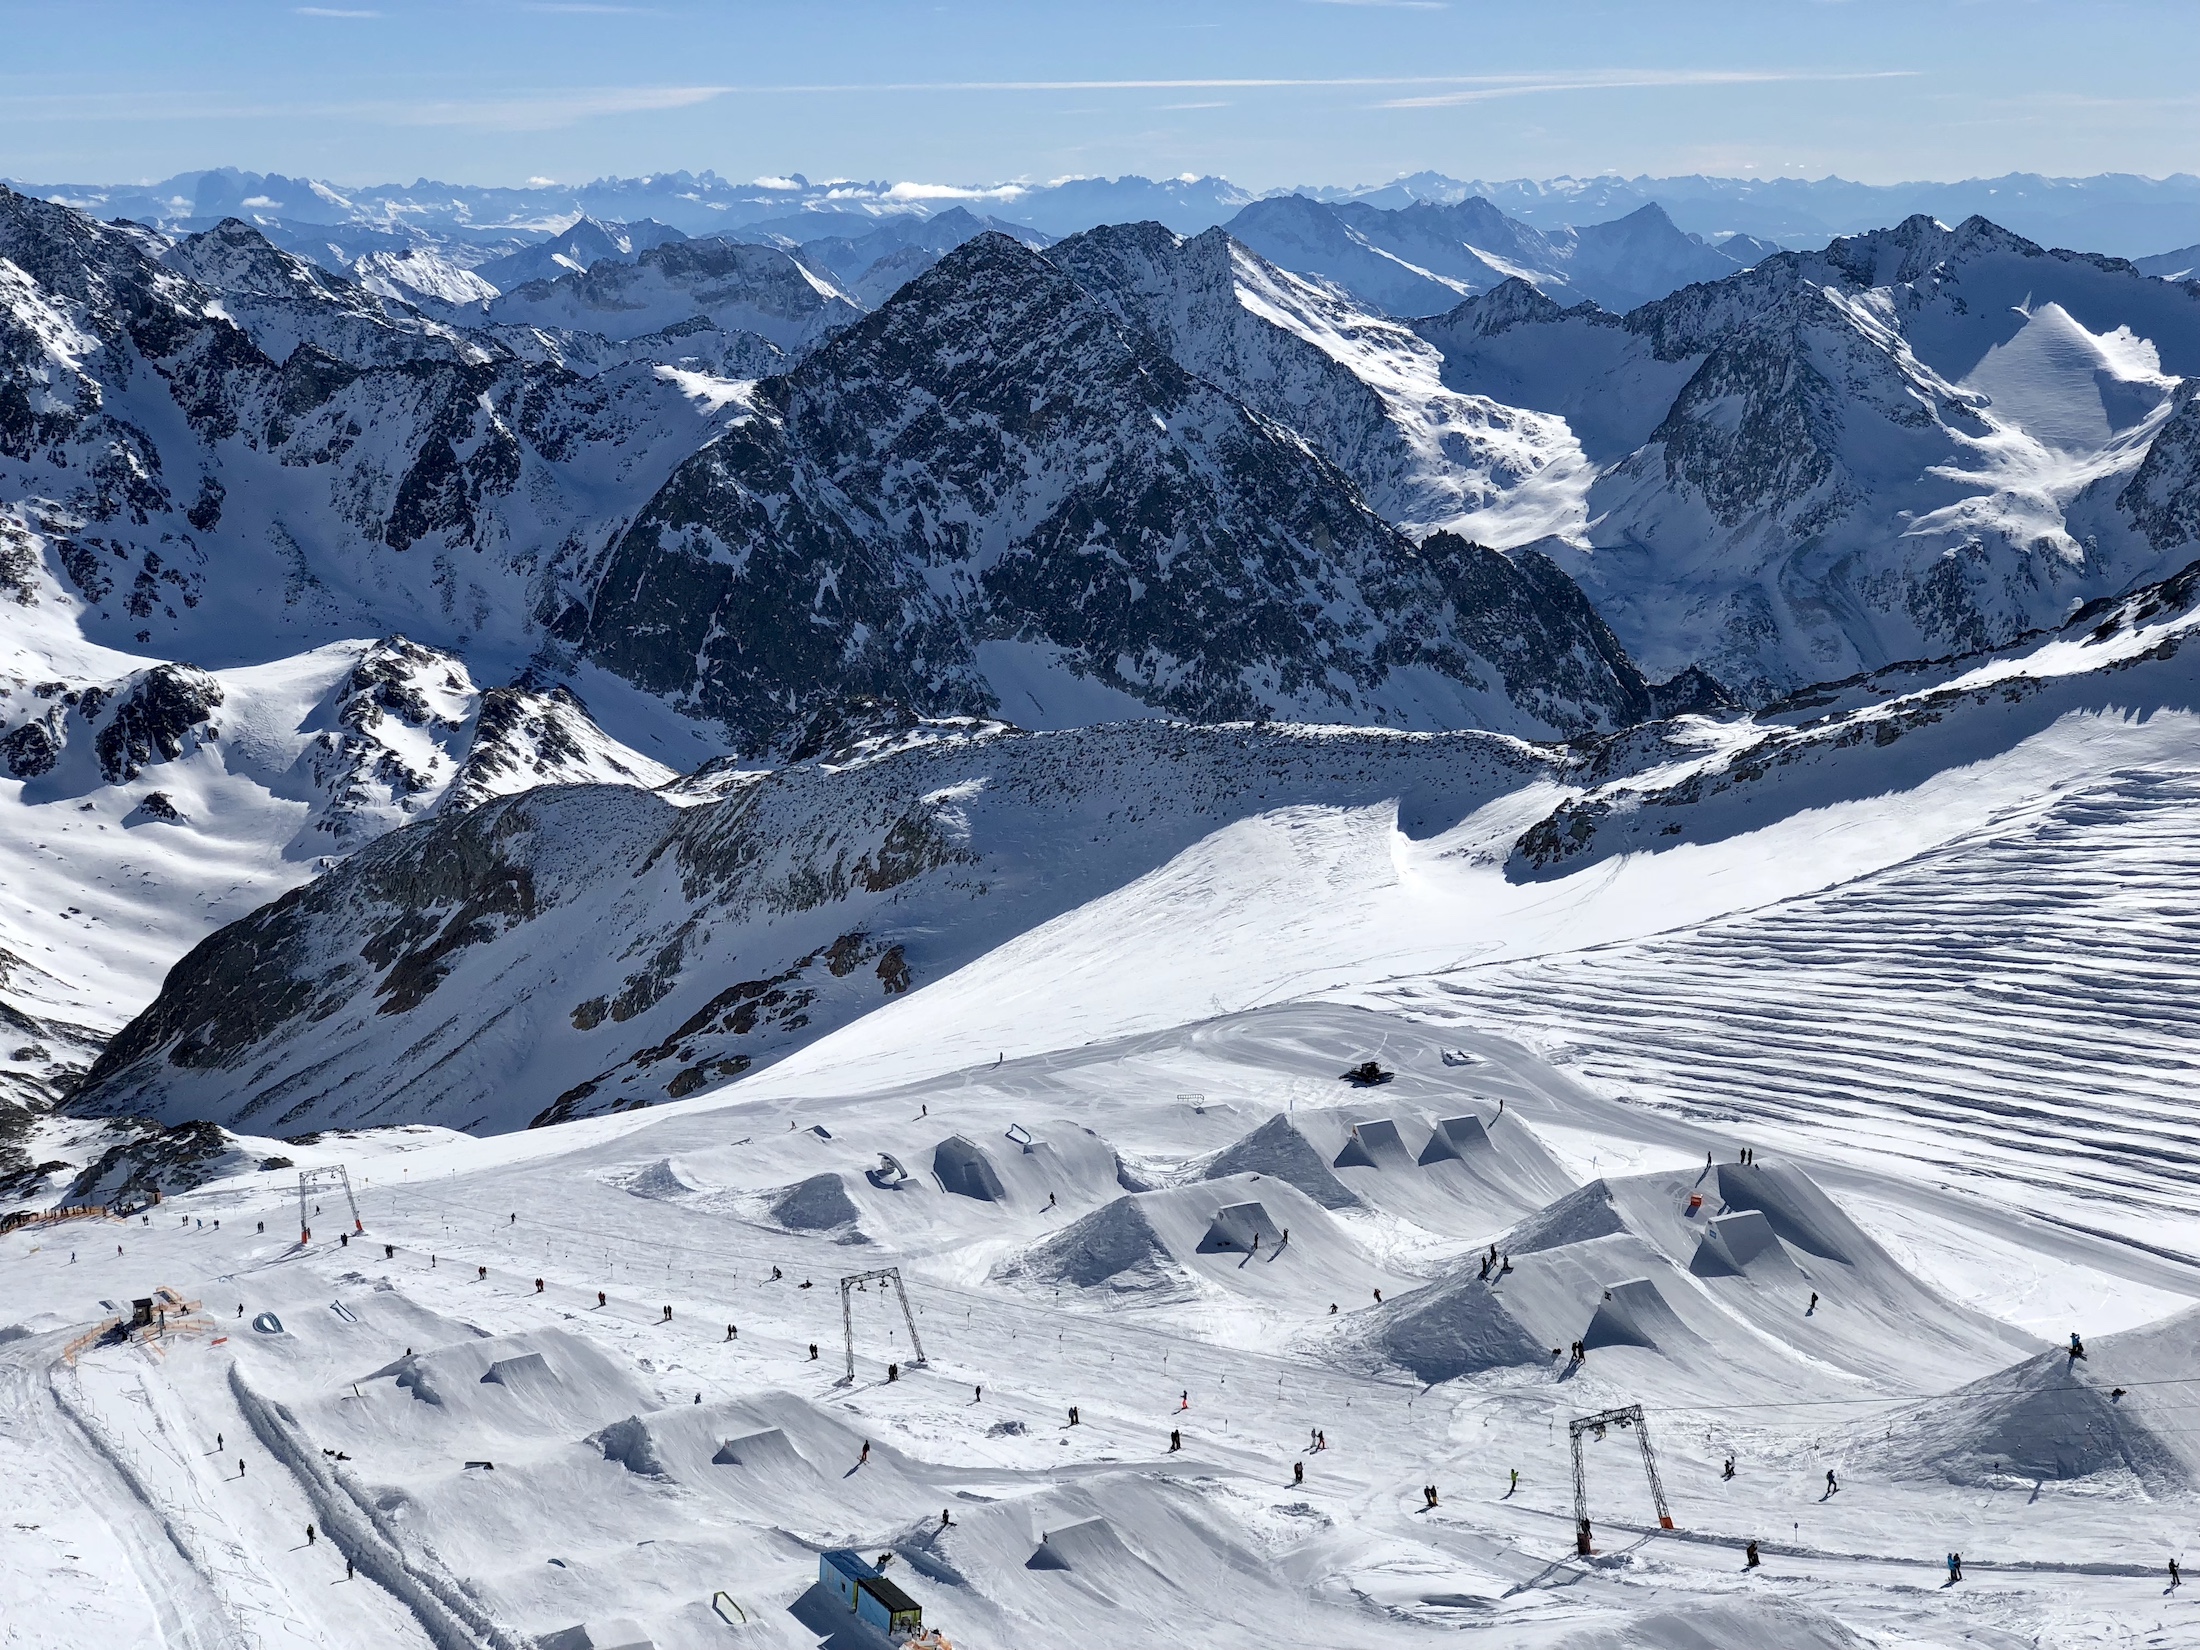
(333,11)
(538,109)
(1387,5)
(1497,86)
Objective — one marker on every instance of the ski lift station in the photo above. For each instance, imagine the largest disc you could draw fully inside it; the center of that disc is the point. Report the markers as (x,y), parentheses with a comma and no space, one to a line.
(849,1577)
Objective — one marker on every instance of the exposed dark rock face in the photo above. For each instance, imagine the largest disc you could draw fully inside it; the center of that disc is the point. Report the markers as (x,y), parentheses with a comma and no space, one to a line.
(578,949)
(993,456)
(152,721)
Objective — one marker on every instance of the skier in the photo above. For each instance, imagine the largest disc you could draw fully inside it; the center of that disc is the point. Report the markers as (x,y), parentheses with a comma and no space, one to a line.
(1749,1556)
(538,1286)
(1727,1472)
(1832,1483)
(217,1443)
(2077,1347)
(311,1535)
(1073,1415)
(1321,1439)
(599,1298)
(1298,1472)
(1485,1268)
(1955,1568)
(1428,1495)
(944,1519)
(1184,1401)
(347,1569)
(1176,1440)
(668,1314)
(866,1455)
(1515,1483)
(1506,1267)
(2176,1577)
(729,1332)
(1813,1304)
(1378,1297)
(813,1352)
(977,1394)
(240,1466)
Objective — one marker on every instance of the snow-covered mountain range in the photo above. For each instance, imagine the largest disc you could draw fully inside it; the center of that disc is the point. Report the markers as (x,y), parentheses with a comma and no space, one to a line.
(2125,215)
(732,502)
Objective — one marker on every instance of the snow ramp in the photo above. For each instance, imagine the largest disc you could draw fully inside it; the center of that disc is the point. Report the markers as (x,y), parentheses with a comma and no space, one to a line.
(1454,1328)
(818,1204)
(1240,1229)
(1374,1143)
(519,1384)
(1095,1554)
(1114,1248)
(1278,1148)
(2047,1418)
(965,1170)
(1743,1244)
(1583,1214)
(1633,1313)
(1795,1208)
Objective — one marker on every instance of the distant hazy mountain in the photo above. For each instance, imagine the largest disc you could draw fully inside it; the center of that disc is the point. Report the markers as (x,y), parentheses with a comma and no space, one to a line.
(2114,213)
(1424,257)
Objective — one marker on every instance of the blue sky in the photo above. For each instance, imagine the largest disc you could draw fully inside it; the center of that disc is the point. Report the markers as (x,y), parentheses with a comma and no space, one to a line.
(1266,92)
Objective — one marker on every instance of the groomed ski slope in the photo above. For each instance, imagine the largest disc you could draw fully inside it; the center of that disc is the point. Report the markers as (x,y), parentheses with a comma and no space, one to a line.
(642,1465)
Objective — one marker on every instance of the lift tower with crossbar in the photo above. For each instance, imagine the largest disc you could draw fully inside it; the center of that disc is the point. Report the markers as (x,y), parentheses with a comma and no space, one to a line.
(855,1281)
(1630,1416)
(330,1176)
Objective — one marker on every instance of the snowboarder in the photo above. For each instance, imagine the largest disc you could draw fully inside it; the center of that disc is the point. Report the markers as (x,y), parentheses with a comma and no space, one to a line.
(1485,1268)
(977,1394)
(1332,1309)
(2176,1577)
(482,1272)
(515,1220)
(538,1286)
(1506,1267)
(866,1455)
(945,1521)
(1515,1483)
(1298,1472)
(1749,1556)
(775,1274)
(1727,1472)
(1428,1495)
(1807,1311)
(1832,1483)
(1176,1440)
(1378,1297)
(2077,1347)
(599,1298)
(813,1352)
(1321,1439)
